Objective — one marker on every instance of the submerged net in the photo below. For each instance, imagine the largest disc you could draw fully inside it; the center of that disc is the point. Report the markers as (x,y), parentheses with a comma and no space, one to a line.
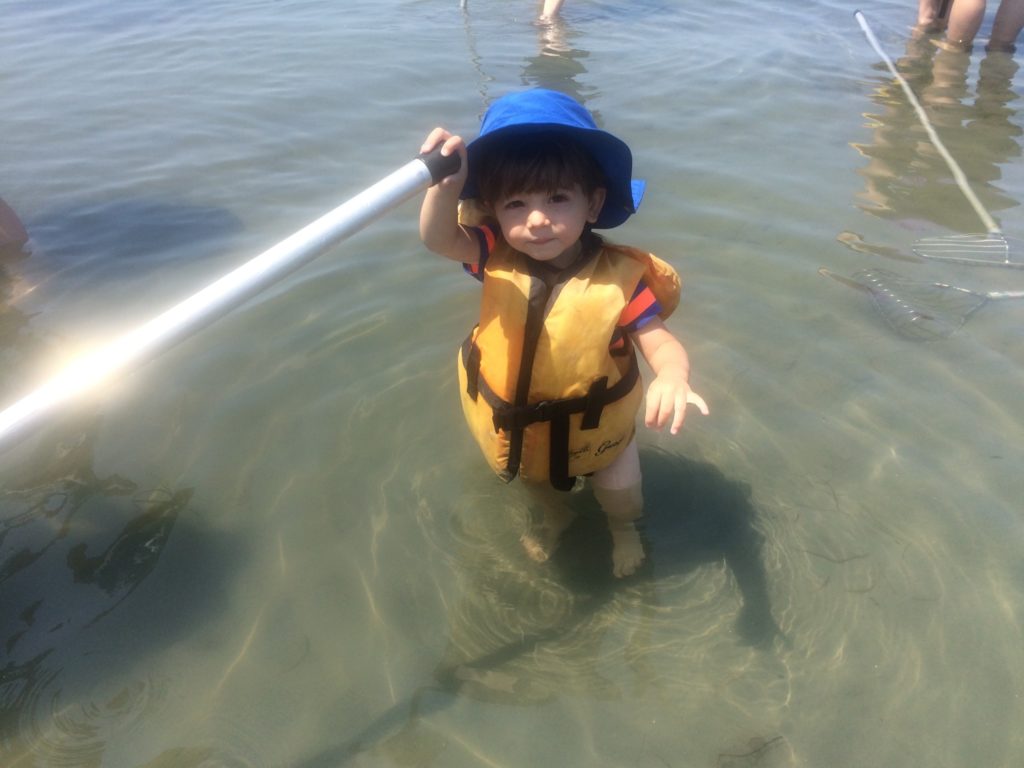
(984,250)
(917,310)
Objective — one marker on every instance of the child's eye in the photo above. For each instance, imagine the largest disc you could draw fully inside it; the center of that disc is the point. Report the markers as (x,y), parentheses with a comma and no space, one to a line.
(559,197)
(512,204)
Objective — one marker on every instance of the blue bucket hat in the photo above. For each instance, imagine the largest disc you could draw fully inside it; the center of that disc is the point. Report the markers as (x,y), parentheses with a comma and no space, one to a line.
(537,111)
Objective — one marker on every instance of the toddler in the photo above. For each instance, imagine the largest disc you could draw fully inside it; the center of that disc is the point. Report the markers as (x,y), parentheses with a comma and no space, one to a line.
(549,377)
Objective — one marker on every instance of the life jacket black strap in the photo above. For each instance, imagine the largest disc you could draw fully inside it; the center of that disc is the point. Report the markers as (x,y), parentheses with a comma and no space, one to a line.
(471,362)
(558,454)
(510,418)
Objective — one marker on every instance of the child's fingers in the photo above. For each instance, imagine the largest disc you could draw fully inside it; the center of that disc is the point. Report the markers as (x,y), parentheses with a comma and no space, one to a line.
(680,413)
(663,406)
(659,410)
(452,145)
(651,414)
(691,398)
(694,399)
(434,138)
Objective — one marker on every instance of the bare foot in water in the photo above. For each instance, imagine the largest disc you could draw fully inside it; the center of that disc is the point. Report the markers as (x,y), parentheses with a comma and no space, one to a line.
(538,544)
(627,550)
(549,519)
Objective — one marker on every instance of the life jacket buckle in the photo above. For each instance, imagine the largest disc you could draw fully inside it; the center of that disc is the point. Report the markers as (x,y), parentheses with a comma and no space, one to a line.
(511,418)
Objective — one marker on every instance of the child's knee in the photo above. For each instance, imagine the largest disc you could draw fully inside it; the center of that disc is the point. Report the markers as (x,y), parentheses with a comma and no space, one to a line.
(623,472)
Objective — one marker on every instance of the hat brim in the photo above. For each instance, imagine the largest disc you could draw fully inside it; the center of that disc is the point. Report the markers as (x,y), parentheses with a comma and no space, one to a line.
(613,156)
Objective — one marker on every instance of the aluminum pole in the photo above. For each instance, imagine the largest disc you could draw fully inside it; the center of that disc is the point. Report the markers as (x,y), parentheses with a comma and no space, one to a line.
(223,295)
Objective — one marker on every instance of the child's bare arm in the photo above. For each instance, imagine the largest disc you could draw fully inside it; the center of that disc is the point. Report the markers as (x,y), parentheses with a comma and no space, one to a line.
(439,216)
(669,393)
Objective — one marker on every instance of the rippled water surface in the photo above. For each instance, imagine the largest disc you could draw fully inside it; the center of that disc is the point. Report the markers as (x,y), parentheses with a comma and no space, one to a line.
(276,545)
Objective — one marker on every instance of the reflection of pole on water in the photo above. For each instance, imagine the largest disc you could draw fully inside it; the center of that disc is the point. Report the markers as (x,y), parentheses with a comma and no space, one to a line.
(475,58)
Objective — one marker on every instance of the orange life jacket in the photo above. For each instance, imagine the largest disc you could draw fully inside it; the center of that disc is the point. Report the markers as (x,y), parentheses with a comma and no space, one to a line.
(543,394)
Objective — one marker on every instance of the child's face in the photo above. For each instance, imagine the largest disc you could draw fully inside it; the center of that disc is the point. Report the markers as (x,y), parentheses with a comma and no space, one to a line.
(546,226)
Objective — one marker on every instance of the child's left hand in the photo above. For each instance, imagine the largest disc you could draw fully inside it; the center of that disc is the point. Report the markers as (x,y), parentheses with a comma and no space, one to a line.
(667,398)
(670,392)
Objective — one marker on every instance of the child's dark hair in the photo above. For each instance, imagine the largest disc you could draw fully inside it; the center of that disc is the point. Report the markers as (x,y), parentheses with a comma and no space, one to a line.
(545,161)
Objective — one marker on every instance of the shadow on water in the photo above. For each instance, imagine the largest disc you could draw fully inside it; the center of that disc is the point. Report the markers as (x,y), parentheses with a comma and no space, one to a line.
(694,516)
(905,178)
(108,236)
(73,249)
(95,574)
(16,339)
(699,516)
(13,235)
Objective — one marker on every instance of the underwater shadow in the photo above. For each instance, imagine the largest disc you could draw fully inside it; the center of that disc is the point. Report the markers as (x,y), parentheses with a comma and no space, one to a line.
(15,335)
(73,248)
(694,516)
(110,236)
(95,574)
(13,238)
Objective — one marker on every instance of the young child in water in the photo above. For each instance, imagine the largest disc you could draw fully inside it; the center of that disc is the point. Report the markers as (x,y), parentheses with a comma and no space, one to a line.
(549,378)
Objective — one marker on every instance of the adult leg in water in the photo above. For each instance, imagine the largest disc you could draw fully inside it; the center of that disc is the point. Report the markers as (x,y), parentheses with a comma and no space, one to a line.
(932,15)
(1007,26)
(964,22)
(550,9)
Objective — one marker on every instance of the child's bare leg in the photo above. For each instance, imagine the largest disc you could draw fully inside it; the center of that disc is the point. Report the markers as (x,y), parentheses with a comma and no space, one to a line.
(551,516)
(623,507)
(617,489)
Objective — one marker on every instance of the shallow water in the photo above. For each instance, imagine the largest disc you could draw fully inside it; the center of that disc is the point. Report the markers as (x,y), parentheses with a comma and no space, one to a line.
(276,545)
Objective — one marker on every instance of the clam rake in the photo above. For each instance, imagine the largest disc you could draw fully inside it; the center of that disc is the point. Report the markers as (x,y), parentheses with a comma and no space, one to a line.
(990,249)
(982,250)
(918,310)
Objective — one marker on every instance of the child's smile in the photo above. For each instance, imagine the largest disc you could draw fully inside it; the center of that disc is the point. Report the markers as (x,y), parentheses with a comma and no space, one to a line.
(547,226)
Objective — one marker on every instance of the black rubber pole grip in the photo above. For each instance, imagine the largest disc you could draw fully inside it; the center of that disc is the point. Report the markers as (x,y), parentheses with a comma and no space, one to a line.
(440,166)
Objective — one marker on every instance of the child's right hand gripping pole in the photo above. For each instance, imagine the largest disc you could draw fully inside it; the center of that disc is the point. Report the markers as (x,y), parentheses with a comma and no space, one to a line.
(440,166)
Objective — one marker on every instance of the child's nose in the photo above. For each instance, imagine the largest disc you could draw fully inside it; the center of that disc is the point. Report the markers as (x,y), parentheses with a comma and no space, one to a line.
(537,218)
